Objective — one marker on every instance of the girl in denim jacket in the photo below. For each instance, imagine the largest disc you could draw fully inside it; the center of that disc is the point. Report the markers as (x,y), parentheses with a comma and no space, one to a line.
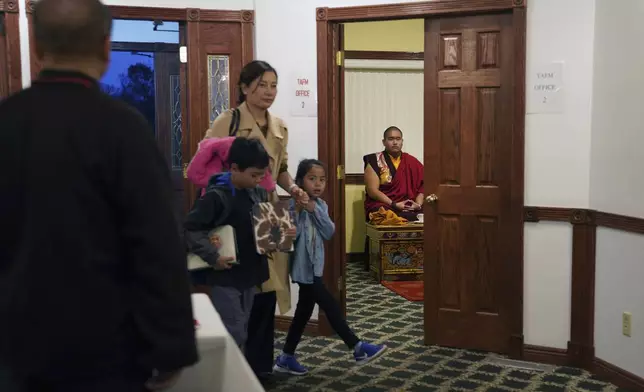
(314,226)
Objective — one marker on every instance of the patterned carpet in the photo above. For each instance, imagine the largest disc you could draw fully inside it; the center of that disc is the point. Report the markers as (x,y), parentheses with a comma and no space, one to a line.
(378,315)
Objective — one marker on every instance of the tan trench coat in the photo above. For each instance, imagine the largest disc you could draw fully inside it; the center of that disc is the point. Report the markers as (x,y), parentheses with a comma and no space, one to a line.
(275,144)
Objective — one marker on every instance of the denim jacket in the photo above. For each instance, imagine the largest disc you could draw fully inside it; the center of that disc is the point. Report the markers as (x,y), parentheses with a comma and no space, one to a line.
(313,228)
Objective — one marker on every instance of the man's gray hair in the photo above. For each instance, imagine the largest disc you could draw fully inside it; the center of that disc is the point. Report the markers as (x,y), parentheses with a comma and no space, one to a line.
(74,28)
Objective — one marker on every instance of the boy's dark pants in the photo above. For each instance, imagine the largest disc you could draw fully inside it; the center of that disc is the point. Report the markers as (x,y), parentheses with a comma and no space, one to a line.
(261,333)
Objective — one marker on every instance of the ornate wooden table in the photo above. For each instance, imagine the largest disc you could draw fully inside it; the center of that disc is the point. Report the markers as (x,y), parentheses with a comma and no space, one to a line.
(396,252)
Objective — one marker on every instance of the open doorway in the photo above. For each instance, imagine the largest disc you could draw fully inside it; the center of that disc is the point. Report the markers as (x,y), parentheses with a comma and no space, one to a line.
(473,119)
(383,88)
(145,73)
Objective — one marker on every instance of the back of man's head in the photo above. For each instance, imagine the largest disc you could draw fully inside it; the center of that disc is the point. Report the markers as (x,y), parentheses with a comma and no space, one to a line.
(72,29)
(248,153)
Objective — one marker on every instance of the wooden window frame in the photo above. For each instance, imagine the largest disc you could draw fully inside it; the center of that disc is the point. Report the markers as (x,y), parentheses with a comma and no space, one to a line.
(10,62)
(189,19)
(187,15)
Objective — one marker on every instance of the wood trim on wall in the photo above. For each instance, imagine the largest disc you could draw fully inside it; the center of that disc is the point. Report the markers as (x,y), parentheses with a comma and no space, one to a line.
(581,346)
(415,10)
(145,47)
(180,14)
(245,17)
(381,55)
(354,179)
(580,350)
(550,355)
(12,67)
(617,376)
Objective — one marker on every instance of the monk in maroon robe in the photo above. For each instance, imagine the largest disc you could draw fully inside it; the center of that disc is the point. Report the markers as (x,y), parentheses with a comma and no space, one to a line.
(394,179)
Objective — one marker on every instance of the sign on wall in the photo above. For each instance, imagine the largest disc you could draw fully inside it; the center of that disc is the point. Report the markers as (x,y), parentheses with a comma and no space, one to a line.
(303,96)
(545,89)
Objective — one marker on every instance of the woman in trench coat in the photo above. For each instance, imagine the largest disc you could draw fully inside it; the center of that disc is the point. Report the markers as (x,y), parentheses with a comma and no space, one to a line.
(257,89)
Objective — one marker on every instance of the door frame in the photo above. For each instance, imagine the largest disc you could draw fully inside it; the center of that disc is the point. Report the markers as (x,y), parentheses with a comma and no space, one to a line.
(11,65)
(330,130)
(187,15)
(189,19)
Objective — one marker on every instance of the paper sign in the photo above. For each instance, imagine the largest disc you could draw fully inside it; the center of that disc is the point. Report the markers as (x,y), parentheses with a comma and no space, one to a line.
(545,89)
(303,97)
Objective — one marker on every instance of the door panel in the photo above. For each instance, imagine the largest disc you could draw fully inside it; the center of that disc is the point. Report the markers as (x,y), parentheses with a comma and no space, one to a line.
(468,140)
(10,68)
(214,63)
(4,72)
(169,121)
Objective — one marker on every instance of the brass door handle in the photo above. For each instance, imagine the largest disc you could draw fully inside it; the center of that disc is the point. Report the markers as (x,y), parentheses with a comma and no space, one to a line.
(431,199)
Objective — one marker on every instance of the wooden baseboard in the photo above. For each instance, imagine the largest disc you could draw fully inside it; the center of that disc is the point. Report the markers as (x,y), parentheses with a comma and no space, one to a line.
(602,369)
(617,376)
(549,355)
(282,323)
(355,257)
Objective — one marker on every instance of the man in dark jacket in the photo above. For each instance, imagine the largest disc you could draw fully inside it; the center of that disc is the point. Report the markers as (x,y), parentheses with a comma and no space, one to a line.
(94,289)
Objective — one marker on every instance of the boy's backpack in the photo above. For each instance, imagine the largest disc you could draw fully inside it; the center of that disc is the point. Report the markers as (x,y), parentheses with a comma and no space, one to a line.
(232,131)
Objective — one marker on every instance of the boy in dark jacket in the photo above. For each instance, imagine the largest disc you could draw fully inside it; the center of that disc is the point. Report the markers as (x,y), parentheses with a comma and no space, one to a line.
(228,200)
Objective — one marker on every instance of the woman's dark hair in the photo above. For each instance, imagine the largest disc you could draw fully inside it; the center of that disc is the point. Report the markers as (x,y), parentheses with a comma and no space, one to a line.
(248,153)
(251,72)
(304,167)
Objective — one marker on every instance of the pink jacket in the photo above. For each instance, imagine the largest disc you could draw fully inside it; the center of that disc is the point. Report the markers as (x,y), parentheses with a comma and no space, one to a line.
(211,158)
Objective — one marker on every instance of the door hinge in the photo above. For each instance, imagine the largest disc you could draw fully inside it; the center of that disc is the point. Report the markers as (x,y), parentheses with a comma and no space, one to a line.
(340,283)
(340,171)
(183,54)
(185,171)
(339,56)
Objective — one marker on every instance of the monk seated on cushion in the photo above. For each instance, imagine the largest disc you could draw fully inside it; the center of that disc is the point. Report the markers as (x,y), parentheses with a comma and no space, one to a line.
(393,179)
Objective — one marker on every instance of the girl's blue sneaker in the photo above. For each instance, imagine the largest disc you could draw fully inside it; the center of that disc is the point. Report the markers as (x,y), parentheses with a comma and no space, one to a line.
(367,351)
(288,364)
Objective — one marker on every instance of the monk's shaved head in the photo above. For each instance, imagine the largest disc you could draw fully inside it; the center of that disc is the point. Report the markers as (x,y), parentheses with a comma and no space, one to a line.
(71,28)
(389,130)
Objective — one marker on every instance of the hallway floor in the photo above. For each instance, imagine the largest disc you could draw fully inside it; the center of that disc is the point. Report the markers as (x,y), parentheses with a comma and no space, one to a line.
(378,315)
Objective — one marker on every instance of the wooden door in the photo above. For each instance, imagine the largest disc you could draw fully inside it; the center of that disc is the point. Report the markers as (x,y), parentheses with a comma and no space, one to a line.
(10,68)
(169,120)
(217,51)
(4,73)
(469,268)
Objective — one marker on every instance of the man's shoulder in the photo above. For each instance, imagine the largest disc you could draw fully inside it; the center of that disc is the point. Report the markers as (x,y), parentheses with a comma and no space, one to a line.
(412,158)
(9,104)
(369,156)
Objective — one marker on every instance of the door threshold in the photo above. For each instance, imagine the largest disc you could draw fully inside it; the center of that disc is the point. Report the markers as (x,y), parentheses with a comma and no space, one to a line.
(522,365)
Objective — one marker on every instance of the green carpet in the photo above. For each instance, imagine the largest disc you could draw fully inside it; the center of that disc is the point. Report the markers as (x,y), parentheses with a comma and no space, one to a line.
(378,315)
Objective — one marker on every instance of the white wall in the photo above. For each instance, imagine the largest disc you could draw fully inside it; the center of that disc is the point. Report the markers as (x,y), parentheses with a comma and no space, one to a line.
(616,182)
(556,163)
